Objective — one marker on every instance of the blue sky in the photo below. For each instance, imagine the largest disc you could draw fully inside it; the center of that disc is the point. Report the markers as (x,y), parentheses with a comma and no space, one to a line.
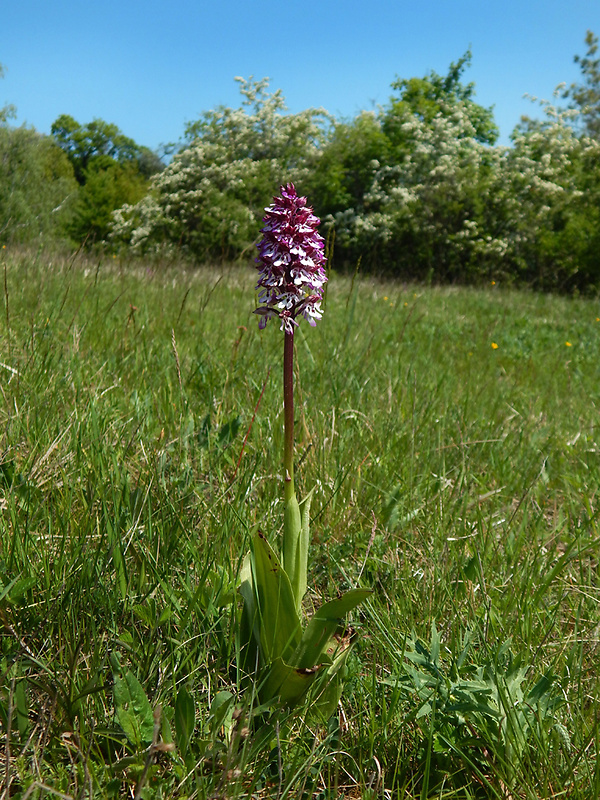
(151,66)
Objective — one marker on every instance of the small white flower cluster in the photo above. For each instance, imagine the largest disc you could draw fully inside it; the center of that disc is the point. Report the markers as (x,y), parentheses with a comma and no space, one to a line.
(210,198)
(433,194)
(465,201)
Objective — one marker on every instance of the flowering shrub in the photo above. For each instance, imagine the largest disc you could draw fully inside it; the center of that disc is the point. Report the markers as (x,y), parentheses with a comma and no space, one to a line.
(551,181)
(210,199)
(417,188)
(454,208)
(422,214)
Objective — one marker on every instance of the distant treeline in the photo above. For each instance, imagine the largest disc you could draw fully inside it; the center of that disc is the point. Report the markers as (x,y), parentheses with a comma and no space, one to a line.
(418,189)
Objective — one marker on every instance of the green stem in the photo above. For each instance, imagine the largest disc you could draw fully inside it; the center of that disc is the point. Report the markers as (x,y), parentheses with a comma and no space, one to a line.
(295,543)
(288,416)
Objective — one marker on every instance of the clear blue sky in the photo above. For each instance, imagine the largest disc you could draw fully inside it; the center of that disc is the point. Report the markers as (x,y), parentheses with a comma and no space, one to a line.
(151,66)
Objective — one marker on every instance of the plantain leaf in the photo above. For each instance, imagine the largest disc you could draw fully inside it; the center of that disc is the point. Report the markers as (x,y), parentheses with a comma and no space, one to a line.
(277,618)
(132,707)
(22,709)
(221,712)
(316,639)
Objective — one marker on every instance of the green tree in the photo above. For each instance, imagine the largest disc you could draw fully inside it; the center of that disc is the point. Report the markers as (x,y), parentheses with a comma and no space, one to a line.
(111,168)
(108,186)
(585,96)
(210,199)
(406,188)
(37,186)
(435,95)
(102,142)
(8,111)
(352,154)
(36,182)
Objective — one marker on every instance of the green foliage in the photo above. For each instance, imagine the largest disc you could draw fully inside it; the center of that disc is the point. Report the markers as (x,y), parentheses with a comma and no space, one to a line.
(416,189)
(432,199)
(352,154)
(101,144)
(132,708)
(292,660)
(457,480)
(585,96)
(551,190)
(111,168)
(435,95)
(37,187)
(210,199)
(107,186)
(478,712)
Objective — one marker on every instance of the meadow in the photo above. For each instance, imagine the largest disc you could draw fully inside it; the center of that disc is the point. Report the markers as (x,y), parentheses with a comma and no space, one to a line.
(452,436)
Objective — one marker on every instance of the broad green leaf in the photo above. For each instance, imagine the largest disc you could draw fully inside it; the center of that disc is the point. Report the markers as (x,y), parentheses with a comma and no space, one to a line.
(278,620)
(435,644)
(333,685)
(165,615)
(144,614)
(316,639)
(246,588)
(18,589)
(221,712)
(286,683)
(133,710)
(22,708)
(294,551)
(249,633)
(301,563)
(185,719)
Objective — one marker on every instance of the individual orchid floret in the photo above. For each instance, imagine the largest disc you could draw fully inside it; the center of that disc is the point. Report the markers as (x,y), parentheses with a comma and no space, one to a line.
(291,262)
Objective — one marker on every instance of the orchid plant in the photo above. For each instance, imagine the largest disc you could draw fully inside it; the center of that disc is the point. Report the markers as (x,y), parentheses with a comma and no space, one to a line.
(287,656)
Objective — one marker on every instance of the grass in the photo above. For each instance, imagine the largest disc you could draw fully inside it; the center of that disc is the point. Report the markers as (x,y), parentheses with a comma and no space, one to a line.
(140,440)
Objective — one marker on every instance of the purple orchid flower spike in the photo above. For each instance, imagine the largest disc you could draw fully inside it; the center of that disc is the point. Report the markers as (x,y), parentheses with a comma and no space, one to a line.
(289,659)
(291,262)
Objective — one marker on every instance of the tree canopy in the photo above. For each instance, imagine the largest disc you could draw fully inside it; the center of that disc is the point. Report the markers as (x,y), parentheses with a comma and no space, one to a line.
(585,96)
(111,168)
(417,188)
(101,142)
(435,95)
(210,199)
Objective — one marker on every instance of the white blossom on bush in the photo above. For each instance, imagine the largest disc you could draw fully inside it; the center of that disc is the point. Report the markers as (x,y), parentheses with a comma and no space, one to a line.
(210,198)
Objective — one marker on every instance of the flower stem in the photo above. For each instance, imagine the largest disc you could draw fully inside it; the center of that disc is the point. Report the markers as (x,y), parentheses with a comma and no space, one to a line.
(295,535)
(288,415)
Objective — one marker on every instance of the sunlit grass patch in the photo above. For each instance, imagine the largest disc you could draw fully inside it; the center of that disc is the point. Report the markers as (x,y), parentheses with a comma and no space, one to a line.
(457,480)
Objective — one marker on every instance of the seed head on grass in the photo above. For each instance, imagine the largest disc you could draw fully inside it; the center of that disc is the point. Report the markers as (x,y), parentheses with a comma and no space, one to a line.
(291,262)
